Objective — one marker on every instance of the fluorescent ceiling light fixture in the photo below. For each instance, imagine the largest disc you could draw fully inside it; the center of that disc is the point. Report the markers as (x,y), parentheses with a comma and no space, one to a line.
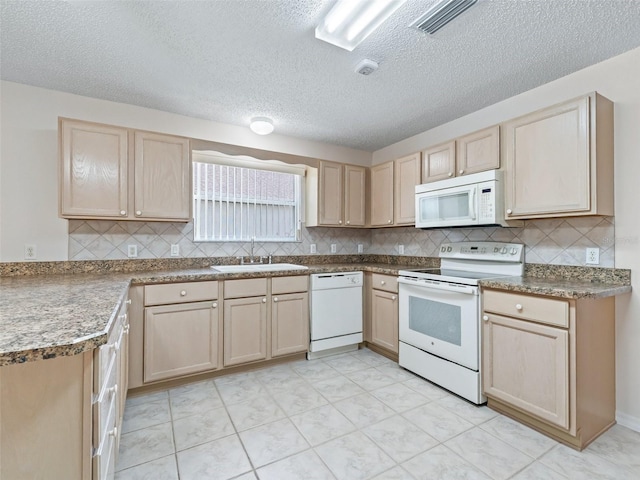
(351,21)
(261,125)
(441,14)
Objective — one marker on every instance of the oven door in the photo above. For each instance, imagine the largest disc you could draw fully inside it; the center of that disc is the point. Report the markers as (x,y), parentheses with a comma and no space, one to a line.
(440,318)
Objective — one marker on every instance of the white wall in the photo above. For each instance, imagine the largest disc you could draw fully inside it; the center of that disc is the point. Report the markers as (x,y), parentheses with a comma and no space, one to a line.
(618,80)
(28,162)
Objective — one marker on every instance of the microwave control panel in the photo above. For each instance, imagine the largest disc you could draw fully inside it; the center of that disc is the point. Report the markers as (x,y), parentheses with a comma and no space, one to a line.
(486,201)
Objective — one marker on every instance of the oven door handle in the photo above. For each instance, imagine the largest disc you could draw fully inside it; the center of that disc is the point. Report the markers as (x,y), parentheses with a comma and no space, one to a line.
(439,286)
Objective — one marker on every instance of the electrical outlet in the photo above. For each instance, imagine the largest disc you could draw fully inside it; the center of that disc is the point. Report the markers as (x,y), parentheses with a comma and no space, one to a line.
(175,250)
(30,252)
(312,248)
(360,248)
(132,251)
(333,248)
(401,249)
(593,256)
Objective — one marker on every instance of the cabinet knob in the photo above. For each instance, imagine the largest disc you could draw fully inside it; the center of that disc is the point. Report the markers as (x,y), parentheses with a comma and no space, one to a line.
(389,221)
(214,305)
(275,299)
(126,329)
(113,390)
(461,172)
(340,222)
(183,293)
(485,317)
(509,211)
(518,307)
(123,212)
(450,174)
(348,222)
(128,302)
(113,432)
(264,300)
(138,213)
(382,282)
(393,297)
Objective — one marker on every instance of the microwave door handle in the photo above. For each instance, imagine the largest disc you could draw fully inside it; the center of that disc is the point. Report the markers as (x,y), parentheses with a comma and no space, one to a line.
(472,203)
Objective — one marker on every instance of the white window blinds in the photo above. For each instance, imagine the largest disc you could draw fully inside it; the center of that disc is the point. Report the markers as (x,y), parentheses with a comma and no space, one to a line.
(236,203)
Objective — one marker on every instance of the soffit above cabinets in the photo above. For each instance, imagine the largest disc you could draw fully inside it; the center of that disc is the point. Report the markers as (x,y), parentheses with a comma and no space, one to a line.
(228,60)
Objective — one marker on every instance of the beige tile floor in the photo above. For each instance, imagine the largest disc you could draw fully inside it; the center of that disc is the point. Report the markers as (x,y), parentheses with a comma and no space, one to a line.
(348,417)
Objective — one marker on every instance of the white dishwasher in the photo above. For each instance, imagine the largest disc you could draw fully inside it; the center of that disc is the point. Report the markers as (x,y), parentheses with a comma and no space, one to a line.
(336,313)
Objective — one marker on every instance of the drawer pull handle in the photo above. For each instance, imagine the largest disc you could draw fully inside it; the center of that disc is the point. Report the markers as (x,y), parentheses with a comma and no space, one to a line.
(275,299)
(393,297)
(128,302)
(382,282)
(518,307)
(485,317)
(113,432)
(113,390)
(264,300)
(126,329)
(183,293)
(214,305)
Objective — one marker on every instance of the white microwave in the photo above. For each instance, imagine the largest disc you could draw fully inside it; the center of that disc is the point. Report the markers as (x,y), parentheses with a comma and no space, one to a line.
(468,201)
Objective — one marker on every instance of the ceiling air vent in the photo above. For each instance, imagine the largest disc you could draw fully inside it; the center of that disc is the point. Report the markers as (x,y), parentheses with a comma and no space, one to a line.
(441,14)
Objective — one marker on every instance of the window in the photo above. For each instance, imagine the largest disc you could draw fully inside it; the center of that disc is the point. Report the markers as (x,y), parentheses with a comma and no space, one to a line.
(235,201)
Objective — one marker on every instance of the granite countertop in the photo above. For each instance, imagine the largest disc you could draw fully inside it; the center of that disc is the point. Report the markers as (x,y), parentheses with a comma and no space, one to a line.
(45,316)
(556,287)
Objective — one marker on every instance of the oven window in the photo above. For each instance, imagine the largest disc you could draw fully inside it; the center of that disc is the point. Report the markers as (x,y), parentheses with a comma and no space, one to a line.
(436,319)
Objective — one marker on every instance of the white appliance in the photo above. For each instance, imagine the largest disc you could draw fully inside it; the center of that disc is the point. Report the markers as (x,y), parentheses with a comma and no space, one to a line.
(439,313)
(336,313)
(472,200)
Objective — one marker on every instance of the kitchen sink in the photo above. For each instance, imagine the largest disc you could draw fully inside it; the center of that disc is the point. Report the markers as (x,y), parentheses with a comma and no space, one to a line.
(258,267)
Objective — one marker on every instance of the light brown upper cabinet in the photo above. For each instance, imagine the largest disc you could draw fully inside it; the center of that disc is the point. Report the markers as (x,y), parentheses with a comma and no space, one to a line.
(382,194)
(340,197)
(393,191)
(559,161)
(116,173)
(476,152)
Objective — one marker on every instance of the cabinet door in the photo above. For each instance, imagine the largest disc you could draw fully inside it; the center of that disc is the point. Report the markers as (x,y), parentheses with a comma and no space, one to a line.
(382,194)
(245,330)
(439,162)
(354,195)
(289,323)
(162,188)
(180,339)
(330,186)
(548,162)
(527,366)
(384,320)
(93,162)
(406,177)
(478,151)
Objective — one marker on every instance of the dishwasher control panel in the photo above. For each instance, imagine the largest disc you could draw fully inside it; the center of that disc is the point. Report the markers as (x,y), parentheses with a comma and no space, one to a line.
(325,281)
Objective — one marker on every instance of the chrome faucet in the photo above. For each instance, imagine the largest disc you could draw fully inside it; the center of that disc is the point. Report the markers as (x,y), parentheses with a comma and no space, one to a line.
(252,257)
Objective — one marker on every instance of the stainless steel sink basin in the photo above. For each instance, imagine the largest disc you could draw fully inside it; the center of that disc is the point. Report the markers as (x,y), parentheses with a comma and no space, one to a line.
(258,267)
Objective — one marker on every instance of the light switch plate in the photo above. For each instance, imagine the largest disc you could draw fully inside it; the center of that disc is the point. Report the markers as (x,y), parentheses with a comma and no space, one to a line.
(401,249)
(333,248)
(312,248)
(360,248)
(132,251)
(175,250)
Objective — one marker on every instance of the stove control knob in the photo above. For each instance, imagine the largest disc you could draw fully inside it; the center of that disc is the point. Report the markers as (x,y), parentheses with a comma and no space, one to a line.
(442,249)
(514,251)
(449,249)
(504,250)
(496,249)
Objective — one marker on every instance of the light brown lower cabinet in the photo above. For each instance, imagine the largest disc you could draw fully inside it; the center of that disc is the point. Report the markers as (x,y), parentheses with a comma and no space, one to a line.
(245,330)
(180,339)
(381,319)
(289,323)
(550,363)
(62,417)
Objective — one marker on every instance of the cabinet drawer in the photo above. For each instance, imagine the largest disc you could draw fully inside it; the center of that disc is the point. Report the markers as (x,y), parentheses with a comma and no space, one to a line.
(388,283)
(105,356)
(527,307)
(180,293)
(105,455)
(295,284)
(248,287)
(103,418)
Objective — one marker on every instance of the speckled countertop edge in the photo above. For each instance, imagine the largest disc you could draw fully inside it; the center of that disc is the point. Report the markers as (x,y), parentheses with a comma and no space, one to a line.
(85,304)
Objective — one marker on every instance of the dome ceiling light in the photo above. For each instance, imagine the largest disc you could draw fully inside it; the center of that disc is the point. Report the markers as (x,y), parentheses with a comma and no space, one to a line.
(261,125)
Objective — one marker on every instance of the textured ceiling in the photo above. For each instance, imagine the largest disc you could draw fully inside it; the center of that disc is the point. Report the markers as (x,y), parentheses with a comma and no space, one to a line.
(228,61)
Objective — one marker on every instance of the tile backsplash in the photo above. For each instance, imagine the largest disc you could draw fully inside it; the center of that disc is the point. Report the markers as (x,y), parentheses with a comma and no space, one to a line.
(548,241)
